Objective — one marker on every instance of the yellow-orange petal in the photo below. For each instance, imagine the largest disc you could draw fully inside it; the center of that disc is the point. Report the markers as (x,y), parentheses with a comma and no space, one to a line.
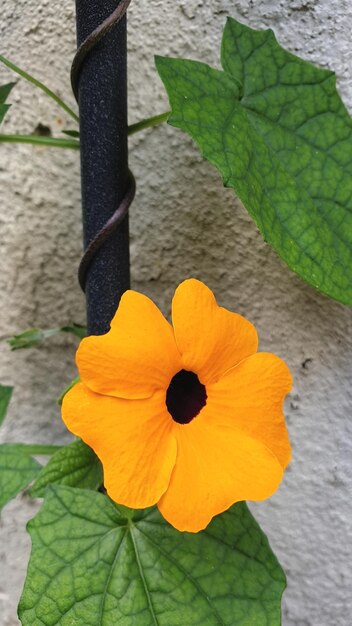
(211,339)
(250,397)
(215,467)
(136,357)
(133,438)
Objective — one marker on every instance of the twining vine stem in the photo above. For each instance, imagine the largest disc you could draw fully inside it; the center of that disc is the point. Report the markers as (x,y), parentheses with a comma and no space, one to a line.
(99,80)
(72,143)
(93,39)
(111,225)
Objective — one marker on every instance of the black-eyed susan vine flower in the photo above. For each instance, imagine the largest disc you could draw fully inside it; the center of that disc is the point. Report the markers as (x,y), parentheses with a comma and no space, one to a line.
(188,416)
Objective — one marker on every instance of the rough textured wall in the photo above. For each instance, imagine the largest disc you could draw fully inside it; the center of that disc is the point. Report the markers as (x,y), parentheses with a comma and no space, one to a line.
(183,223)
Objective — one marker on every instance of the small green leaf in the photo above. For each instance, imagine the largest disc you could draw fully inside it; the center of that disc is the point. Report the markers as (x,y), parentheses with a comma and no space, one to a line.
(5,397)
(4,93)
(277,130)
(33,337)
(75,465)
(91,566)
(17,470)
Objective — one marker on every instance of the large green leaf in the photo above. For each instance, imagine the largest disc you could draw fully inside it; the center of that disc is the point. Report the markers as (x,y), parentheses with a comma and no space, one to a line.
(17,470)
(4,93)
(278,132)
(75,465)
(5,397)
(93,565)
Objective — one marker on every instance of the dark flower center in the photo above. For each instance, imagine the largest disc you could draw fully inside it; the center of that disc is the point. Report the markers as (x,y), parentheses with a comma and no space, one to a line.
(185,396)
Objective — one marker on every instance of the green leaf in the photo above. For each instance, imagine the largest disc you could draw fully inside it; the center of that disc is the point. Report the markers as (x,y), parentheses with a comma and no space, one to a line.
(17,470)
(75,465)
(92,566)
(33,337)
(5,397)
(4,93)
(278,132)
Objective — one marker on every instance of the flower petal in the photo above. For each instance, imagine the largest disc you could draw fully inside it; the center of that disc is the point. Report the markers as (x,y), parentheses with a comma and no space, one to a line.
(250,397)
(133,438)
(210,339)
(136,357)
(215,467)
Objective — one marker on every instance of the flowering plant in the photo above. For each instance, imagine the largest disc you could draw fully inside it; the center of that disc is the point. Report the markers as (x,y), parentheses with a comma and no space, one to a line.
(188,415)
(189,418)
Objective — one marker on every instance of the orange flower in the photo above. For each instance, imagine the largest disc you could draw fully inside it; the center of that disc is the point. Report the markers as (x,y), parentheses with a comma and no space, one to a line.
(188,417)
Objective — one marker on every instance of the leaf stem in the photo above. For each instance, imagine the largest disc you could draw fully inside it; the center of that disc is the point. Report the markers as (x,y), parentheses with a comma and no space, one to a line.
(56,142)
(148,122)
(40,85)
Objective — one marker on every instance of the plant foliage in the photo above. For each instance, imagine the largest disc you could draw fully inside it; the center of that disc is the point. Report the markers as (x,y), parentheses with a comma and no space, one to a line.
(278,132)
(93,564)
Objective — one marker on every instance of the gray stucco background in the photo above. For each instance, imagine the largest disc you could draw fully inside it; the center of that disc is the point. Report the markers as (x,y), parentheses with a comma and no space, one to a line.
(183,223)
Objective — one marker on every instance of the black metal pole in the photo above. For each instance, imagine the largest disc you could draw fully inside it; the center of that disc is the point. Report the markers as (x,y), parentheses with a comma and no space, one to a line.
(102,97)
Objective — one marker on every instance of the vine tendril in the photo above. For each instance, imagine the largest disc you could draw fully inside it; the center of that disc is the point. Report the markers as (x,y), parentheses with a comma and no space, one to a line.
(117,217)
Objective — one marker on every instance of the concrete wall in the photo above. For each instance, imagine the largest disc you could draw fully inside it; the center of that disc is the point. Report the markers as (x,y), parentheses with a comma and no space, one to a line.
(182,223)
